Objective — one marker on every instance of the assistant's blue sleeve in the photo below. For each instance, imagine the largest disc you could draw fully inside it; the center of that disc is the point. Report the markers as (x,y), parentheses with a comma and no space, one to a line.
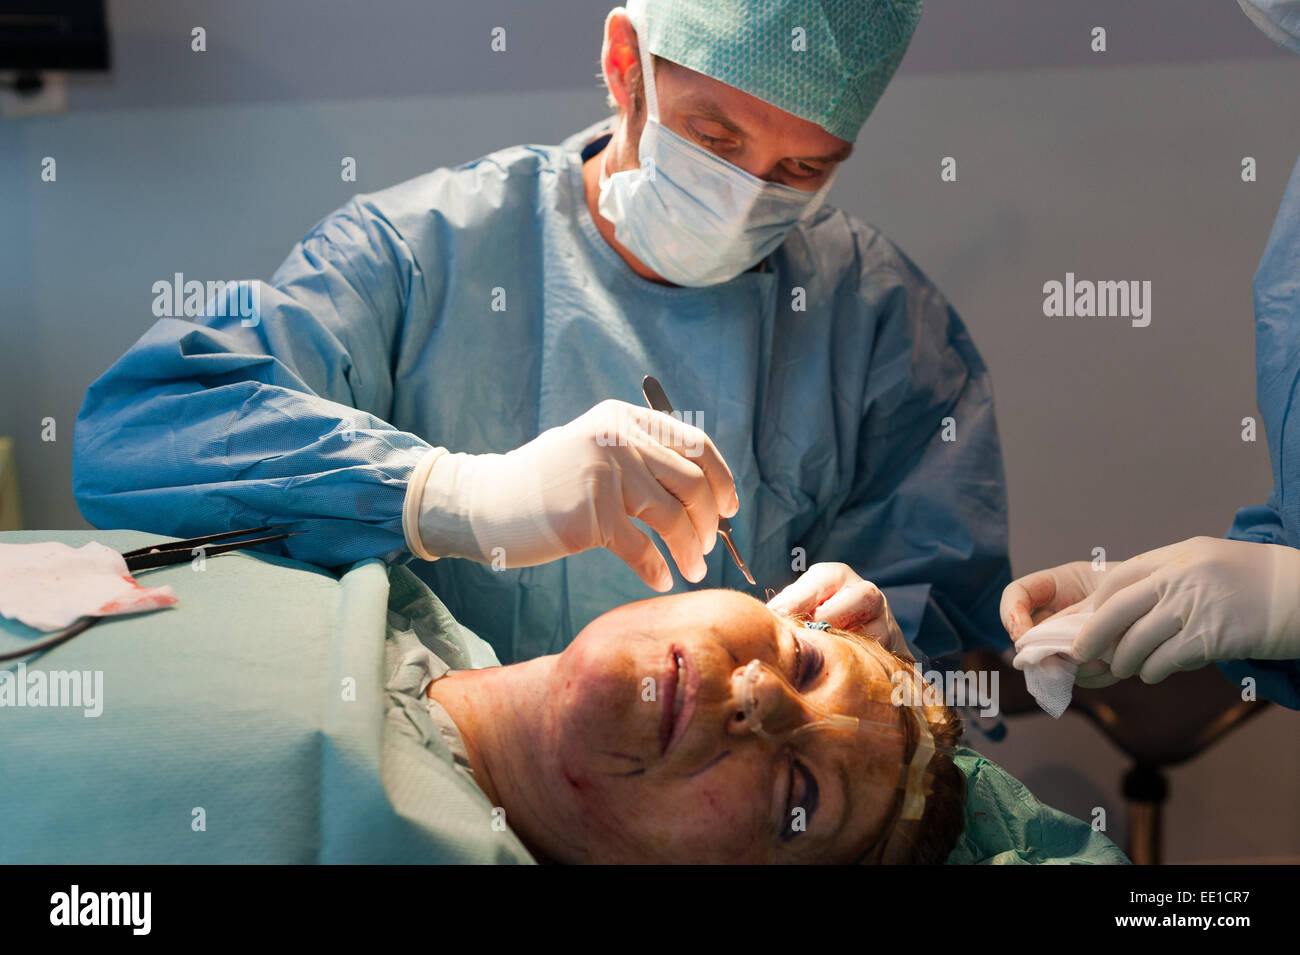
(270,408)
(927,518)
(1276,680)
(1277,357)
(1276,290)
(1259,523)
(1277,369)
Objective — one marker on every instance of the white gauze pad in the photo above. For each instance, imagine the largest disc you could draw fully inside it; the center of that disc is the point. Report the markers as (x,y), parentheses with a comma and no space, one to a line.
(50,585)
(1044,654)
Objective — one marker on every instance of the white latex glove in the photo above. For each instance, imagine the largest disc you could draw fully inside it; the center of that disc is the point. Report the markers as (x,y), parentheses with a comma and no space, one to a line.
(835,594)
(1189,604)
(1045,594)
(576,487)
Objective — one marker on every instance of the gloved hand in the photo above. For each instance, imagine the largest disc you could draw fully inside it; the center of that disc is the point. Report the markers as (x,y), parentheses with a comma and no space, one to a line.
(835,594)
(575,487)
(1029,600)
(1189,604)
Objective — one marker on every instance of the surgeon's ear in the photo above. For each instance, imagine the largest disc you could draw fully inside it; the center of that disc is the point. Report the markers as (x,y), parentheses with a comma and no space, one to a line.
(620,61)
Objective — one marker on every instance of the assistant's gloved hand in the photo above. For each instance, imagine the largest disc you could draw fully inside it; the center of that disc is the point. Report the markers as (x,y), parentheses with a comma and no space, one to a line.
(1189,604)
(1045,594)
(835,594)
(575,487)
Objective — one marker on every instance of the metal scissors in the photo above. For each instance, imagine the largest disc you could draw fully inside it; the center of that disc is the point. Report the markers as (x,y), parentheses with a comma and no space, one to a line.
(160,555)
(658,401)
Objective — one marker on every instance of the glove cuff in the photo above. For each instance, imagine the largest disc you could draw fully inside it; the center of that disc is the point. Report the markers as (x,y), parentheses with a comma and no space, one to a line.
(426,523)
(1282,632)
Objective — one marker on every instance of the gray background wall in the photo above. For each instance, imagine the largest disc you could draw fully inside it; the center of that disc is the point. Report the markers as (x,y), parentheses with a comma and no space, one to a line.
(1123,165)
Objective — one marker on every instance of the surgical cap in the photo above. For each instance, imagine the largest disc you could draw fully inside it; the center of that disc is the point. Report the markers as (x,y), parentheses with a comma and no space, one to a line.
(826,61)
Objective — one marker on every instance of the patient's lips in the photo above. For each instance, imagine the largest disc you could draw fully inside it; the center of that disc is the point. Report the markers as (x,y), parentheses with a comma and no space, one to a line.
(679,702)
(670,697)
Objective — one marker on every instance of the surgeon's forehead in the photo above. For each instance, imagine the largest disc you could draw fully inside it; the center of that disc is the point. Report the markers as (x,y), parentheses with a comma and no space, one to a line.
(743,114)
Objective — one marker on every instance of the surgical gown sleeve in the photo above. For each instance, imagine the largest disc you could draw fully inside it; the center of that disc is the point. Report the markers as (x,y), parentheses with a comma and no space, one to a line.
(276,414)
(1277,370)
(927,516)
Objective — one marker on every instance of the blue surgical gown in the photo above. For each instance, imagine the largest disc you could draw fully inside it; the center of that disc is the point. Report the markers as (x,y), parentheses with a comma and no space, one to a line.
(1277,367)
(475,307)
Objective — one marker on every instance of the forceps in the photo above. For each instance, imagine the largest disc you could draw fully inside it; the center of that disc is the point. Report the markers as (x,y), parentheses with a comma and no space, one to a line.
(178,552)
(658,401)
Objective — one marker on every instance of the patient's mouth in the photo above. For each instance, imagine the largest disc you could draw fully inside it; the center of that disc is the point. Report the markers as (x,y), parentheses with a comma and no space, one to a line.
(679,699)
(671,699)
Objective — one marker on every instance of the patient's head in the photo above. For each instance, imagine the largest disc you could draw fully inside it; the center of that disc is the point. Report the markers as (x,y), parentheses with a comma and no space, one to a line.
(640,750)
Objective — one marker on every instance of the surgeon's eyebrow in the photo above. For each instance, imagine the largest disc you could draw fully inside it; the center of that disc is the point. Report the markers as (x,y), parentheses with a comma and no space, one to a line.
(839,155)
(714,113)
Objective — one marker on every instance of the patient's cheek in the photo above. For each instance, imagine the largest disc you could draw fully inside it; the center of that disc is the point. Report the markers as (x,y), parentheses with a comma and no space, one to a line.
(710,818)
(726,810)
(592,684)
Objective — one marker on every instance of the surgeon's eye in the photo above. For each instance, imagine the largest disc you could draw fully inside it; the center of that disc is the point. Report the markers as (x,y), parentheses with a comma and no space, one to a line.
(798,169)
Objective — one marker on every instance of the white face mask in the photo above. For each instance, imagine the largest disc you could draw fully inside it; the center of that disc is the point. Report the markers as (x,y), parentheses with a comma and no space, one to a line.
(689,215)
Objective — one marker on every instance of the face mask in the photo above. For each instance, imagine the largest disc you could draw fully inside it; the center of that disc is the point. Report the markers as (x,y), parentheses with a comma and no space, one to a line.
(691,216)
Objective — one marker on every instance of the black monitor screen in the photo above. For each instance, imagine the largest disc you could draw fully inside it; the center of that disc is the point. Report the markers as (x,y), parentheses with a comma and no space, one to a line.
(53,35)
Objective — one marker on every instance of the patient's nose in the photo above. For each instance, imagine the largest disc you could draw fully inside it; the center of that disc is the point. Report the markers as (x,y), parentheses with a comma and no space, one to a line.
(776,706)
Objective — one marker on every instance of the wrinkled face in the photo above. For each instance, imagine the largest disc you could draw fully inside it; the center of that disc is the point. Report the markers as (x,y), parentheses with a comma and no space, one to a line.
(650,758)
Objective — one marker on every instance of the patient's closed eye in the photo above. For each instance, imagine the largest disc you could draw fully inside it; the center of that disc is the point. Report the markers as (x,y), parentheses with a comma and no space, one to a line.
(809,662)
(802,794)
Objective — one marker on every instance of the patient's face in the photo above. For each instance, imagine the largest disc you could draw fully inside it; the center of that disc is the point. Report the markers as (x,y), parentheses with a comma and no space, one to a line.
(632,777)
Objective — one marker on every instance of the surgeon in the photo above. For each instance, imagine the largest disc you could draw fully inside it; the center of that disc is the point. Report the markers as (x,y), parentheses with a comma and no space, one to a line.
(1234,602)
(449,368)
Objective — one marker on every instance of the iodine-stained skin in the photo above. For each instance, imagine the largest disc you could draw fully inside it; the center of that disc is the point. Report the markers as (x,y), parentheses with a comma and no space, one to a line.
(631,745)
